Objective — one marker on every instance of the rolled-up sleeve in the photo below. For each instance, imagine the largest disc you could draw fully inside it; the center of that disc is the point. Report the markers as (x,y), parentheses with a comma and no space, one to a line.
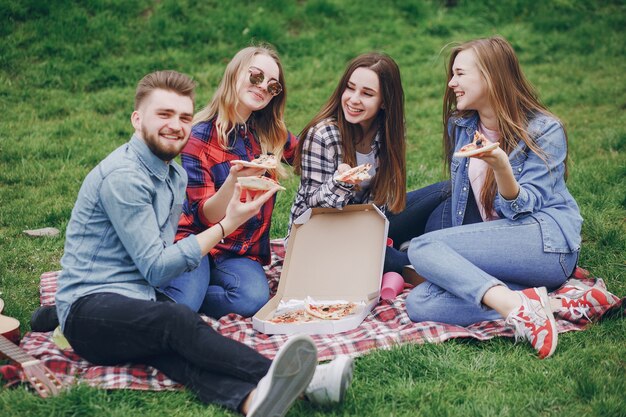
(537,175)
(128,200)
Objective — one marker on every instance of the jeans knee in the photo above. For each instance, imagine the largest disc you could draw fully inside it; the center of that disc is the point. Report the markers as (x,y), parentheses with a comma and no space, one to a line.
(177,316)
(417,247)
(251,298)
(425,303)
(415,302)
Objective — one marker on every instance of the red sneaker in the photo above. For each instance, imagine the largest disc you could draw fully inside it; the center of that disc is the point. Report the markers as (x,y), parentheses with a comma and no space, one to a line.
(533,321)
(581,303)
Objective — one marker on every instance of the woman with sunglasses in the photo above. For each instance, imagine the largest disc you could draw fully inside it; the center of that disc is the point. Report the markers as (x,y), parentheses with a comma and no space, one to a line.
(529,235)
(363,122)
(243,120)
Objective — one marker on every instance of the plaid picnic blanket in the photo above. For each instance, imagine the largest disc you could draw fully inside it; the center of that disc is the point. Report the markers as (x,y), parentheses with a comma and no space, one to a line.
(387,326)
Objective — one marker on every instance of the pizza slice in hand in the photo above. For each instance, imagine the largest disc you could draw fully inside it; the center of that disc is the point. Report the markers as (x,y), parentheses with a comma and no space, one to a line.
(265,161)
(356,174)
(258,183)
(478,146)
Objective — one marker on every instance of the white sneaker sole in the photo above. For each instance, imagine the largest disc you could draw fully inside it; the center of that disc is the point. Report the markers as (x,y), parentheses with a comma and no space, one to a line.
(290,373)
(347,366)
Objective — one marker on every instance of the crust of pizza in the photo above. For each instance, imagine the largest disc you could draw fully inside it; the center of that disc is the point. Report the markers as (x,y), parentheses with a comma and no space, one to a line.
(265,161)
(358,173)
(258,183)
(479,145)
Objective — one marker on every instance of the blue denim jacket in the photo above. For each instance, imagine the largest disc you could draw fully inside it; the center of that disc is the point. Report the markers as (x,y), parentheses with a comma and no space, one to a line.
(120,236)
(543,193)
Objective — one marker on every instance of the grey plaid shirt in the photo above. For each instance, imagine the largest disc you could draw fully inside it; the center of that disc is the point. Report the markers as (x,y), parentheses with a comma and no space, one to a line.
(321,155)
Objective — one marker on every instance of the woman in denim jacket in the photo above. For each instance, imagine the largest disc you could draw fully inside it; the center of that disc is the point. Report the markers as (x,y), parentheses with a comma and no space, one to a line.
(527,236)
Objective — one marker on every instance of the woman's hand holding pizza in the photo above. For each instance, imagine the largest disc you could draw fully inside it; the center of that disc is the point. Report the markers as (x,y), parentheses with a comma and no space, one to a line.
(239,211)
(496,158)
(349,175)
(498,161)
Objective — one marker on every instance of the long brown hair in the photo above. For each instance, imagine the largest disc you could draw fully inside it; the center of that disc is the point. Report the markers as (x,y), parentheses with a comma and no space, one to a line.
(512,97)
(389,184)
(269,123)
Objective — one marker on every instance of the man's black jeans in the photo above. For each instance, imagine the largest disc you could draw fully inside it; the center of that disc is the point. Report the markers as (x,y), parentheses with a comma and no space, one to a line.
(108,329)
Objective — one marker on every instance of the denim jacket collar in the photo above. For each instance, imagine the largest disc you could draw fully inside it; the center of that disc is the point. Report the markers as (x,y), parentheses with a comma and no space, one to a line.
(153,163)
(470,121)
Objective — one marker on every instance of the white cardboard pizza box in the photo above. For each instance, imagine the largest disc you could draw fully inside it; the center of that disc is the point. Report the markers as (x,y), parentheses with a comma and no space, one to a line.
(333,254)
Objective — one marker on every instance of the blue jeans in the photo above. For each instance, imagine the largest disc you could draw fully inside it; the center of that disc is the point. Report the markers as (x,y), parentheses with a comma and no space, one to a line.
(427,209)
(411,222)
(231,285)
(111,329)
(461,263)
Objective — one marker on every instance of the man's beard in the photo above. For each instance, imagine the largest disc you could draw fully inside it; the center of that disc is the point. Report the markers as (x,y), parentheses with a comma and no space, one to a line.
(155,146)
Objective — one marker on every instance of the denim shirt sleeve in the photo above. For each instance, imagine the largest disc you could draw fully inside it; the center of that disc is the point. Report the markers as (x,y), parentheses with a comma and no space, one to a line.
(128,197)
(537,175)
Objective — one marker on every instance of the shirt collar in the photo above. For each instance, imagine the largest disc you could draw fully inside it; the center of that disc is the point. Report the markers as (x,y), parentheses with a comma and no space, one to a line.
(155,165)
(467,120)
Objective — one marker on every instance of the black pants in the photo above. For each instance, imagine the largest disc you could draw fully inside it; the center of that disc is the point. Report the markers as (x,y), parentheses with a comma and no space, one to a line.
(109,329)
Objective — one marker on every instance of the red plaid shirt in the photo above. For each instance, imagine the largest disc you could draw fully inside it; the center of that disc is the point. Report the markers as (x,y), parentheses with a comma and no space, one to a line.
(207,164)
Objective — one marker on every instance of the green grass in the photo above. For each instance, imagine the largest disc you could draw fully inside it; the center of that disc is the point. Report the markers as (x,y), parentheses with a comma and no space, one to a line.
(68,71)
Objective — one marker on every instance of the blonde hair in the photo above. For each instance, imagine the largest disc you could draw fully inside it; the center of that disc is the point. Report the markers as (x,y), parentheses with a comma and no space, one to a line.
(268,122)
(389,185)
(512,97)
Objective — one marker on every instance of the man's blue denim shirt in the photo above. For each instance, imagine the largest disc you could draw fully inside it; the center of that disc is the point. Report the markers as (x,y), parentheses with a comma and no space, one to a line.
(543,193)
(120,236)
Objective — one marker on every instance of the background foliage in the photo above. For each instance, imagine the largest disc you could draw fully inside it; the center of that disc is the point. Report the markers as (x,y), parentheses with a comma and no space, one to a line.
(68,70)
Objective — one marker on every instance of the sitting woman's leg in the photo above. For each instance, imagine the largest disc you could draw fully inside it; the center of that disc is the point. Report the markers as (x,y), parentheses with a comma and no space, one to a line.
(468,261)
(238,285)
(411,221)
(189,288)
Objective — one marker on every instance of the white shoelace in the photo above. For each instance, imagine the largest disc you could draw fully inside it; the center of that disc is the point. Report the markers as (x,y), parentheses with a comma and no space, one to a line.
(579,312)
(519,324)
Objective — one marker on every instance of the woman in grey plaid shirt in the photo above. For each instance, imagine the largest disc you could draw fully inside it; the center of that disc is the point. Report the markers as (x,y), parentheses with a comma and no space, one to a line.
(363,122)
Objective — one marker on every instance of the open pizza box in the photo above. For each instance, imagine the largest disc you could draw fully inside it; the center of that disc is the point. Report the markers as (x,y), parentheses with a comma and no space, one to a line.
(332,254)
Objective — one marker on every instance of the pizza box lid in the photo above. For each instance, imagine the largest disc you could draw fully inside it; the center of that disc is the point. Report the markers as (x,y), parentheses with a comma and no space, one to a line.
(332,254)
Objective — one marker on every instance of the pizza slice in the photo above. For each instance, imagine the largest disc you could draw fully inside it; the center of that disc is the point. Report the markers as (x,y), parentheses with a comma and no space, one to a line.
(265,161)
(258,183)
(293,316)
(479,145)
(333,311)
(357,174)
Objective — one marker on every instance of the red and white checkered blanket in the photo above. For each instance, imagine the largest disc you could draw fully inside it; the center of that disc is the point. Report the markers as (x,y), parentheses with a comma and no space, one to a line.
(387,326)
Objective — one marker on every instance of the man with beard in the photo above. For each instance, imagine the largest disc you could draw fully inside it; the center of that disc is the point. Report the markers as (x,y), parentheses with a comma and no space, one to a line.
(119,248)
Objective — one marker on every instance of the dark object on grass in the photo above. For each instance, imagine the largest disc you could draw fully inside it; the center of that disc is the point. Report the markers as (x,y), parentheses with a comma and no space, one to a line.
(44,319)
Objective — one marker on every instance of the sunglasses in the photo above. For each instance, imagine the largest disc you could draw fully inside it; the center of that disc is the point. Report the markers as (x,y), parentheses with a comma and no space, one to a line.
(256,78)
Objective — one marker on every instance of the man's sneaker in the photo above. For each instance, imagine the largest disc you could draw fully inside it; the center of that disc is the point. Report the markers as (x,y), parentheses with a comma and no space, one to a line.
(288,376)
(534,321)
(581,303)
(331,381)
